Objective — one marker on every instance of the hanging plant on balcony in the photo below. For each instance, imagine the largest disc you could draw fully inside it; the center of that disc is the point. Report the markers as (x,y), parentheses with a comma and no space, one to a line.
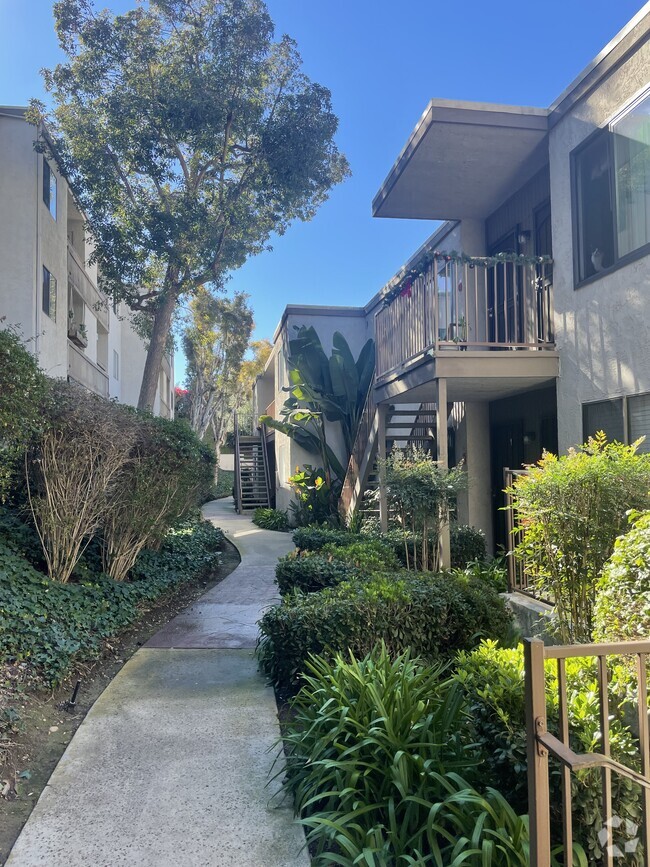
(403,286)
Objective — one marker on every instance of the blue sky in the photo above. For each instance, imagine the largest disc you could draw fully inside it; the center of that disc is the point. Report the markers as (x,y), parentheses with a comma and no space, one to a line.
(382,60)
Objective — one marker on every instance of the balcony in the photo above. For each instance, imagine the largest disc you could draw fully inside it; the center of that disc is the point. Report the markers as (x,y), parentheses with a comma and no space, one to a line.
(79,280)
(85,372)
(495,311)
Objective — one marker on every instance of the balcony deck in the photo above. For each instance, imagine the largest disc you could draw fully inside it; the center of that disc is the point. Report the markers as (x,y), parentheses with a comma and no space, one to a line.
(484,324)
(85,372)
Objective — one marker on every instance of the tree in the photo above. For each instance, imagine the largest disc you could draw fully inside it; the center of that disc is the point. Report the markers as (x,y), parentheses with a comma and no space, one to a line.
(214,342)
(252,367)
(188,136)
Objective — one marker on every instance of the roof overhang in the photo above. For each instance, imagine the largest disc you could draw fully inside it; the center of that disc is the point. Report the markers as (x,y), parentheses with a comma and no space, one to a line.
(462,160)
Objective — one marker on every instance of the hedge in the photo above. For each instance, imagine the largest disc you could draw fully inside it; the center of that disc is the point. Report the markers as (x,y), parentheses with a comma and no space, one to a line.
(433,615)
(309,572)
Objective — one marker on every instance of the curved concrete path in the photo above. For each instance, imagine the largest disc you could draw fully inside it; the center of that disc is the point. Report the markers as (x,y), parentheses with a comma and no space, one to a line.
(170,767)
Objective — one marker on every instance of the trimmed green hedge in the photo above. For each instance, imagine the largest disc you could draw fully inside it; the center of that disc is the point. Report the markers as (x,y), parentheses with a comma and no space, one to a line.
(433,615)
(467,544)
(310,572)
(314,538)
(51,625)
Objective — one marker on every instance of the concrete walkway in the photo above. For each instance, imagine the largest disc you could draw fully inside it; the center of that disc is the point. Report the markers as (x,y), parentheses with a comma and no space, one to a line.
(170,767)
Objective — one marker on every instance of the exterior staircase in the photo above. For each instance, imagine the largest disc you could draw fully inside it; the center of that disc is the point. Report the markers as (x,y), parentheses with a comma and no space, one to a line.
(252,476)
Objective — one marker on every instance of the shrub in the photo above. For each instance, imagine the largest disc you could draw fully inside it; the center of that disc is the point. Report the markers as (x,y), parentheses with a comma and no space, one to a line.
(22,395)
(162,479)
(309,572)
(316,497)
(72,469)
(431,614)
(271,519)
(315,537)
(467,545)
(622,611)
(494,573)
(53,625)
(493,681)
(373,732)
(571,509)
(366,555)
(420,492)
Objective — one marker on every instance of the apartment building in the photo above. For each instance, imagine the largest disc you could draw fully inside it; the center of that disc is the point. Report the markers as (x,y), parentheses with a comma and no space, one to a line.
(523,321)
(48,287)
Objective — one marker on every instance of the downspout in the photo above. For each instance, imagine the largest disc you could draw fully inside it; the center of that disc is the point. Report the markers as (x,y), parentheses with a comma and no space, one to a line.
(37,339)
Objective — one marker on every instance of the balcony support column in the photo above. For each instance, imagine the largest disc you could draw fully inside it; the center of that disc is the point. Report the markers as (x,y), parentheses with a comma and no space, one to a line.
(443,462)
(382,410)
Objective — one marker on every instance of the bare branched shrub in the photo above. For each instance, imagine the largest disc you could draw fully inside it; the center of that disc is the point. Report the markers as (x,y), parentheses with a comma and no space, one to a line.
(162,480)
(72,470)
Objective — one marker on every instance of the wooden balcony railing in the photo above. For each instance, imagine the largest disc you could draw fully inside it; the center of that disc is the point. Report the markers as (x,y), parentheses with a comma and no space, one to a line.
(85,372)
(466,304)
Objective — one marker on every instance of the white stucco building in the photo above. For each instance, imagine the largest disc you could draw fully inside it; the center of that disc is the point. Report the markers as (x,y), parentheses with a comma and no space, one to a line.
(49,290)
(514,354)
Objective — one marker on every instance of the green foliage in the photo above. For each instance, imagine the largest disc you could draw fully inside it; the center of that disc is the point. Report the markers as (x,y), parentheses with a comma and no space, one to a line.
(373,750)
(493,681)
(308,572)
(23,390)
(271,519)
(494,572)
(622,611)
(420,492)
(571,509)
(166,474)
(185,169)
(315,537)
(324,389)
(214,341)
(467,544)
(317,497)
(366,555)
(431,614)
(53,626)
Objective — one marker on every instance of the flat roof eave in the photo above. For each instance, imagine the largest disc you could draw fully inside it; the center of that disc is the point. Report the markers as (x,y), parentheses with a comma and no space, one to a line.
(455,147)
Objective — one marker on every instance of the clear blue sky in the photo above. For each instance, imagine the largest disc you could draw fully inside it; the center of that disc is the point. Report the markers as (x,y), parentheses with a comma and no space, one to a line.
(383,60)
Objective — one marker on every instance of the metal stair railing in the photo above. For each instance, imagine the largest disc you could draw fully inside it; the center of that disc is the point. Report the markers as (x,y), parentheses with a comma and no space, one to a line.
(238,490)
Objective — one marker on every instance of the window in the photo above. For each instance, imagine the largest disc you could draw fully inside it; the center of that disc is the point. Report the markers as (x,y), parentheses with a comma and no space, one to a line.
(624,419)
(49,294)
(612,192)
(49,188)
(116,364)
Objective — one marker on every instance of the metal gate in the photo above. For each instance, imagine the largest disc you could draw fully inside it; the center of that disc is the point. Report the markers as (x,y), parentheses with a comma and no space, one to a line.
(542,744)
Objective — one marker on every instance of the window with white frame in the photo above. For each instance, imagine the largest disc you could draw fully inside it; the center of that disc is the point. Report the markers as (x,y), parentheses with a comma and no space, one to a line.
(116,364)
(611,175)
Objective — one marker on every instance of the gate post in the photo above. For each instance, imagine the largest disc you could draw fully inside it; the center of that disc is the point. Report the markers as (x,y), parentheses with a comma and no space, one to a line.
(538,786)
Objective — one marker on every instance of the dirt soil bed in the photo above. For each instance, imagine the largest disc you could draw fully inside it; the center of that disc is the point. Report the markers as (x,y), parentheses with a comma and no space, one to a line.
(45,728)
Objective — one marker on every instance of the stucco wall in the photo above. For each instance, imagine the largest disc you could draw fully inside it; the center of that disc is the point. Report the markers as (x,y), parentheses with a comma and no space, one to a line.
(602,329)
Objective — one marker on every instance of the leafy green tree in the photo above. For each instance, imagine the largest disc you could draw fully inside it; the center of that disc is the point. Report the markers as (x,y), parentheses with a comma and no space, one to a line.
(189,136)
(251,367)
(214,342)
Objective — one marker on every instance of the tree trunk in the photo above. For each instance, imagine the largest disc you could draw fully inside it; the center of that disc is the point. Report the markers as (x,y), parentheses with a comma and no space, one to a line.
(161,327)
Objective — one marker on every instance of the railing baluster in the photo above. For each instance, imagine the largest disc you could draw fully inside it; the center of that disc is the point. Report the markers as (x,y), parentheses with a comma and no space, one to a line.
(567,815)
(538,783)
(606,774)
(644,742)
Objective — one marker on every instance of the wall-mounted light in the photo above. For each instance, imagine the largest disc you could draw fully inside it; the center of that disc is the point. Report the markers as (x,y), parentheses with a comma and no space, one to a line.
(523,237)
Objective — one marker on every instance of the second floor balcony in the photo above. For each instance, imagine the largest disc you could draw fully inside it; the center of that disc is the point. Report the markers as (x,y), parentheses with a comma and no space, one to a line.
(454,303)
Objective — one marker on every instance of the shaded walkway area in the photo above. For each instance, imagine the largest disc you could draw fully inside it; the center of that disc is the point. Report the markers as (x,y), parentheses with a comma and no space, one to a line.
(171,764)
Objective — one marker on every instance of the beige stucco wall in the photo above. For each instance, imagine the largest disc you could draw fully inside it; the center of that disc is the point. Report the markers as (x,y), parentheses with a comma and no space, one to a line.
(602,329)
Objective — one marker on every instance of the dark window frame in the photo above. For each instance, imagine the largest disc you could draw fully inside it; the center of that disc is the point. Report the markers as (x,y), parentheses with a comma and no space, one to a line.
(46,294)
(51,203)
(625,412)
(619,261)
